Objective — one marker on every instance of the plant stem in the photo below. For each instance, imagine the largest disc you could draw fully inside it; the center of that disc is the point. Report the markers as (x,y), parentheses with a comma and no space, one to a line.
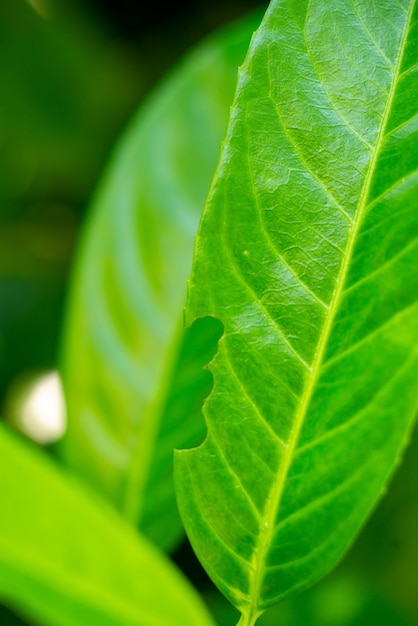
(248,619)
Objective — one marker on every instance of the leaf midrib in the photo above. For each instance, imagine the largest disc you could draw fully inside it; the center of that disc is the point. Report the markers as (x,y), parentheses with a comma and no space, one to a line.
(274,500)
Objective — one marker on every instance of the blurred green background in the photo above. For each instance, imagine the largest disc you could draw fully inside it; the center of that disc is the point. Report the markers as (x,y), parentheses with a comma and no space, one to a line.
(72,73)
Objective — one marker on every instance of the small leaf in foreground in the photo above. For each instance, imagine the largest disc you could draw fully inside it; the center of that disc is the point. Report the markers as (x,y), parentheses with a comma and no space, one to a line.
(308,254)
(68,560)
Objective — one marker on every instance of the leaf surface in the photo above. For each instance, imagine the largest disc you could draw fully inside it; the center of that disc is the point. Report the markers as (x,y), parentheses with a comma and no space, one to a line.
(133,377)
(67,559)
(308,254)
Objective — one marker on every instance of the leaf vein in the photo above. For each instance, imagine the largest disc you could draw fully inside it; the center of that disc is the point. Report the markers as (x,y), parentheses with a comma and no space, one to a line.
(357,417)
(388,190)
(353,348)
(383,267)
(413,118)
(271,243)
(301,157)
(370,35)
(273,503)
(253,405)
(267,315)
(237,479)
(237,556)
(315,504)
(409,70)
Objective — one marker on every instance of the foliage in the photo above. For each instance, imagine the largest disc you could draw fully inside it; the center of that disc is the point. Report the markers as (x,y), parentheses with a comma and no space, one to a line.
(303,298)
(132,374)
(95,576)
(305,262)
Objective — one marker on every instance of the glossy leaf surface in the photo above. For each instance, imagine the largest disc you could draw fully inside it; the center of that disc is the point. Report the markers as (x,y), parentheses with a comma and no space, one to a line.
(134,379)
(66,559)
(308,254)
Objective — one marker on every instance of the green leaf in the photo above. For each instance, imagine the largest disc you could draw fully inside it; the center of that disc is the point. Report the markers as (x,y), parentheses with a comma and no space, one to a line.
(308,253)
(133,378)
(67,559)
(343,599)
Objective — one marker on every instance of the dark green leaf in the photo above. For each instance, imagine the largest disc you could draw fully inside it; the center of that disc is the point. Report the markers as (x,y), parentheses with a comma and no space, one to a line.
(134,381)
(308,253)
(67,560)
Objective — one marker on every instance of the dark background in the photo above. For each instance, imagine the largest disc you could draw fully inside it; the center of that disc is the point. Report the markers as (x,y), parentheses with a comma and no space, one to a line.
(69,83)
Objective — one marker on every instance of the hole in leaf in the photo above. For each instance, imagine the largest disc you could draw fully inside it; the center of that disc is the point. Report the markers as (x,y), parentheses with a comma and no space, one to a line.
(192,381)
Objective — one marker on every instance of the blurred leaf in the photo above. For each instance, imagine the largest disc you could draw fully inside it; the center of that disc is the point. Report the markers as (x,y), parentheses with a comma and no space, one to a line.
(66,88)
(343,599)
(308,254)
(133,378)
(67,559)
(387,549)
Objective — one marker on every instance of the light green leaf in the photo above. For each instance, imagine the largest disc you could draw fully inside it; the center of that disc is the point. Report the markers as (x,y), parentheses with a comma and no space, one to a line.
(133,378)
(69,560)
(308,253)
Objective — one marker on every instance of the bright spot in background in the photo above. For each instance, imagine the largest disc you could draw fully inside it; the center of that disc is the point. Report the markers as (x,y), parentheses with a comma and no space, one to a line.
(42,412)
